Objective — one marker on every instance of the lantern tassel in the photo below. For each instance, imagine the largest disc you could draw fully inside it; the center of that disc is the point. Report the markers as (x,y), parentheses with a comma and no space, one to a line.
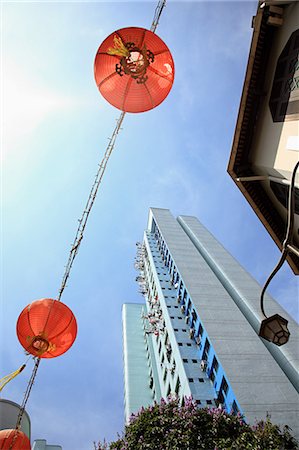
(119,48)
(11,376)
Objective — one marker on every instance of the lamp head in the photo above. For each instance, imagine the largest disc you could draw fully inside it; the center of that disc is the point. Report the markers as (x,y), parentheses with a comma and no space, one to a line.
(274,329)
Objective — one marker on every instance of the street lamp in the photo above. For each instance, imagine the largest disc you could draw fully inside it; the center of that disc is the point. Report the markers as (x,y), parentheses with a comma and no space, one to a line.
(274,329)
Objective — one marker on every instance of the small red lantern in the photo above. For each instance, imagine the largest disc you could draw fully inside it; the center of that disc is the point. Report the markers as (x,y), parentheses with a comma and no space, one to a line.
(46,328)
(14,440)
(134,69)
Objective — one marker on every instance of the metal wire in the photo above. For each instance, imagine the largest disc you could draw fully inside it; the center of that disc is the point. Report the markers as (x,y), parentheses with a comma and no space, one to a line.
(91,198)
(24,403)
(157,15)
(287,243)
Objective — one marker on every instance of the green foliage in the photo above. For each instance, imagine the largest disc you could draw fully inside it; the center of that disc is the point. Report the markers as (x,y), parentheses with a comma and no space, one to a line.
(169,426)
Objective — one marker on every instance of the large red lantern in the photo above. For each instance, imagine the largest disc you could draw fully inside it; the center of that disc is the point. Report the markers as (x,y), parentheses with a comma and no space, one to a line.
(134,69)
(14,440)
(46,328)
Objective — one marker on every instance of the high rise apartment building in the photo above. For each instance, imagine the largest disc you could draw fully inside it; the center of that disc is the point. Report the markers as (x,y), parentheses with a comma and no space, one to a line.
(196,333)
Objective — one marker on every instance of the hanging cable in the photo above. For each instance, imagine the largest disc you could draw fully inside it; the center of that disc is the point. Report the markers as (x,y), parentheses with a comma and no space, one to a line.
(27,393)
(25,399)
(287,245)
(92,196)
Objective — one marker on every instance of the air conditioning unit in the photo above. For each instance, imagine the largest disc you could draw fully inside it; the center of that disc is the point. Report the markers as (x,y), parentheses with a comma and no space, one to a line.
(198,340)
(178,299)
(203,365)
(187,319)
(183,309)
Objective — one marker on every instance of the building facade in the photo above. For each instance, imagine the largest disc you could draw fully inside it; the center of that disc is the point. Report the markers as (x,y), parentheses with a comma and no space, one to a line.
(196,333)
(265,147)
(41,444)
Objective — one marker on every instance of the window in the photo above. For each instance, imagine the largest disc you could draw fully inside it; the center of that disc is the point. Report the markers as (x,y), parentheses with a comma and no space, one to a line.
(224,386)
(201,380)
(200,329)
(190,380)
(180,344)
(206,350)
(209,402)
(215,364)
(198,402)
(166,339)
(176,329)
(165,375)
(160,346)
(235,408)
(188,344)
(207,346)
(168,390)
(194,316)
(220,399)
(281,192)
(177,387)
(151,383)
(194,361)
(185,360)
(283,102)
(168,352)
(173,367)
(184,330)
(189,301)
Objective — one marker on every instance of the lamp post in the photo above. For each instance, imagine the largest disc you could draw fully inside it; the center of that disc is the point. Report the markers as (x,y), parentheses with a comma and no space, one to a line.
(274,329)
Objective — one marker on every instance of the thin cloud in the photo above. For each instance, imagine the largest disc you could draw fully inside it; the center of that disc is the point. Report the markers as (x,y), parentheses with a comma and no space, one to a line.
(26,104)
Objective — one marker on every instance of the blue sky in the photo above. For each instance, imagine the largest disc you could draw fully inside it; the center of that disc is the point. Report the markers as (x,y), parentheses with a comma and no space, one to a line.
(55,128)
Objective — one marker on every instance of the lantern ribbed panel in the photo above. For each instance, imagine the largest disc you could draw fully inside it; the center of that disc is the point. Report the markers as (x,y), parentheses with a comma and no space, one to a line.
(51,320)
(124,92)
(21,441)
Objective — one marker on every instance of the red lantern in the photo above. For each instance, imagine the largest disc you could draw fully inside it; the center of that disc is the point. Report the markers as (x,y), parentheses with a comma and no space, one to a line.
(14,440)
(134,69)
(46,328)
